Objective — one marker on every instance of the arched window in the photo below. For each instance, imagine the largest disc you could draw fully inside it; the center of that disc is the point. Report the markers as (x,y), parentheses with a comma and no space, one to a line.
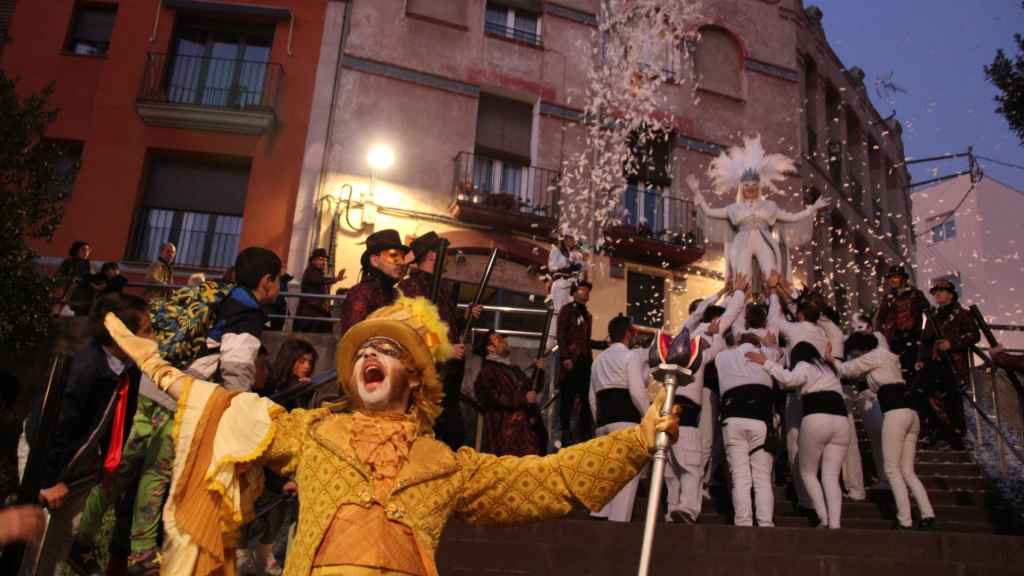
(718,62)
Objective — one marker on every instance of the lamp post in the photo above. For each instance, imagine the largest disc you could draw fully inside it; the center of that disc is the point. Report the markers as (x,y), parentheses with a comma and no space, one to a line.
(380,157)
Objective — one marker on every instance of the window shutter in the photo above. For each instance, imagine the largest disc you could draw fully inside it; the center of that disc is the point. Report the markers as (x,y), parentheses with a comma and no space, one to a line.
(197,186)
(503,128)
(6,13)
(95,24)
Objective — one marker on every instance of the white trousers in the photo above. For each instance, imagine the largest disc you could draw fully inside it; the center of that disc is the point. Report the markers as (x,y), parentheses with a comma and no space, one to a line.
(871,415)
(824,439)
(791,427)
(683,474)
(710,436)
(619,508)
(747,245)
(900,430)
(561,293)
(749,468)
(853,468)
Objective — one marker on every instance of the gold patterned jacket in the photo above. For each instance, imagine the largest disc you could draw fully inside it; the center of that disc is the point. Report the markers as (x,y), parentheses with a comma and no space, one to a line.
(434,484)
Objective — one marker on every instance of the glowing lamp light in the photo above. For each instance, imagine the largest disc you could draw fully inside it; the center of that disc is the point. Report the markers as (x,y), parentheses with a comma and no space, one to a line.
(380,158)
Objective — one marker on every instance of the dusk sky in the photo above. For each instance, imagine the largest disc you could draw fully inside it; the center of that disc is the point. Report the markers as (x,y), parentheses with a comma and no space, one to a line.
(935,50)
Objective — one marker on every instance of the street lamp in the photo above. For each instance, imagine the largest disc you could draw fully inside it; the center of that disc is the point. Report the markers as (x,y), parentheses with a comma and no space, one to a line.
(380,157)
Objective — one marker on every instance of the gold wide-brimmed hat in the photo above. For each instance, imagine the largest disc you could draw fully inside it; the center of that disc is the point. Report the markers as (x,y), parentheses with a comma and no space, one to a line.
(416,325)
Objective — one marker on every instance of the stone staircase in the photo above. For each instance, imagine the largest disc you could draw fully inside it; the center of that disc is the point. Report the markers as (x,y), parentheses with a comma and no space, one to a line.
(973,534)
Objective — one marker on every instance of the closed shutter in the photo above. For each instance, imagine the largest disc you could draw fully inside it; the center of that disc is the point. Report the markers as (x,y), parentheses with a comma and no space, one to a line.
(503,128)
(454,12)
(197,185)
(6,13)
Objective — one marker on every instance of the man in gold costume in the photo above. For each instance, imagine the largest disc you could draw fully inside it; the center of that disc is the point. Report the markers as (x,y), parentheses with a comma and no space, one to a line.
(375,487)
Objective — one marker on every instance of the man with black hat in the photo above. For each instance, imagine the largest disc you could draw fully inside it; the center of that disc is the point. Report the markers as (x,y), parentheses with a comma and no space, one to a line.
(383,264)
(575,351)
(421,259)
(946,343)
(316,280)
(900,317)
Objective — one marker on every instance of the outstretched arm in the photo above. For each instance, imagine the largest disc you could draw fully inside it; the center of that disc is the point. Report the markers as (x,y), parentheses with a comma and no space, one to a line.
(808,212)
(555,482)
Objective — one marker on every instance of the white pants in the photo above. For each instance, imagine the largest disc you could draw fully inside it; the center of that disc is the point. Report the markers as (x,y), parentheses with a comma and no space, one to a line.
(853,468)
(900,430)
(871,415)
(561,293)
(710,436)
(683,474)
(619,508)
(824,439)
(791,426)
(742,436)
(749,244)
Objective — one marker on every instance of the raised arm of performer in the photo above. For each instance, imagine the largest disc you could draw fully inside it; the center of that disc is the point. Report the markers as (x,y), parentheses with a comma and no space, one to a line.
(808,211)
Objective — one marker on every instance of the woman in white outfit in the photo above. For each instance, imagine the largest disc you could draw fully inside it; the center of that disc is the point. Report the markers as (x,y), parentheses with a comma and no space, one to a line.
(824,429)
(747,226)
(900,426)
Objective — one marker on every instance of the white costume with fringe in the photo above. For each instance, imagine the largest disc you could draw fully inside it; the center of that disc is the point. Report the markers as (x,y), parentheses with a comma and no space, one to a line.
(753,228)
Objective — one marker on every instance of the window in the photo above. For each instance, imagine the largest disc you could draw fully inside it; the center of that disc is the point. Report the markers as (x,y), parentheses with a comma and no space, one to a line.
(648,174)
(198,205)
(645,299)
(718,62)
(502,160)
(219,63)
(67,162)
(516,20)
(945,229)
(91,27)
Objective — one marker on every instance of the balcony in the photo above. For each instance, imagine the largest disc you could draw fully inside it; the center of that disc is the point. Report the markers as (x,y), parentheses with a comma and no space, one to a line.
(217,94)
(655,229)
(505,194)
(519,35)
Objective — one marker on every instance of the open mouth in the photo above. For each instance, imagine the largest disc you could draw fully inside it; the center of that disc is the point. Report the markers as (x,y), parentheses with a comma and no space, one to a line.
(373,374)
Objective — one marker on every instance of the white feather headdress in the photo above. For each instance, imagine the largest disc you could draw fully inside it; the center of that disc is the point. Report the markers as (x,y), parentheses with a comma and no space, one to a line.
(727,169)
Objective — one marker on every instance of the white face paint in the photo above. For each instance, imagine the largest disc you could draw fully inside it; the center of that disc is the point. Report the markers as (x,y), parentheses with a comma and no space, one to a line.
(380,377)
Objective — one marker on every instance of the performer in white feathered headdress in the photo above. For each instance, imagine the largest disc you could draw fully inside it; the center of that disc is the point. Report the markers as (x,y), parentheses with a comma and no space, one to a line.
(746,226)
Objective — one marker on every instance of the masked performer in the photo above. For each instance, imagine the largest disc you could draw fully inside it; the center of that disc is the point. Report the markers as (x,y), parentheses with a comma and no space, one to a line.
(747,226)
(375,488)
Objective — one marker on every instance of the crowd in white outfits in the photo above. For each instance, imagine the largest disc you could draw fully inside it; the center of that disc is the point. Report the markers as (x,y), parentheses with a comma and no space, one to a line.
(785,373)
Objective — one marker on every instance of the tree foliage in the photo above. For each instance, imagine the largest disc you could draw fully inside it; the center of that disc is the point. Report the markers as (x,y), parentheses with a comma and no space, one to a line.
(31,168)
(1008,76)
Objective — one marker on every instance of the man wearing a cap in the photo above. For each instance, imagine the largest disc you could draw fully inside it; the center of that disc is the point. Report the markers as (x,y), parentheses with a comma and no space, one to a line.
(383,264)
(900,317)
(316,280)
(951,332)
(375,488)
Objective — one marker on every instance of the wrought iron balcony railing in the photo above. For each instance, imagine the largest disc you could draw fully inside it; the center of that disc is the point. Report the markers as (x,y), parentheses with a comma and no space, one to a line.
(513,33)
(503,192)
(210,82)
(656,228)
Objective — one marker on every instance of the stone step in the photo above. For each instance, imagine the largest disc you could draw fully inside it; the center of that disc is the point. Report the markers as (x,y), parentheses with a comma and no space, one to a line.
(948,469)
(857,523)
(559,547)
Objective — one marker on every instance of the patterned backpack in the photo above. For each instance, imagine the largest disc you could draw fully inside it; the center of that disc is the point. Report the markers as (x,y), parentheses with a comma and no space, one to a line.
(183,319)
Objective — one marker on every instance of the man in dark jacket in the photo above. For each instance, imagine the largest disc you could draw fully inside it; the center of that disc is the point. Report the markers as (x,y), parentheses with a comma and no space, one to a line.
(316,280)
(508,400)
(575,351)
(383,266)
(449,427)
(946,343)
(101,382)
(900,317)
